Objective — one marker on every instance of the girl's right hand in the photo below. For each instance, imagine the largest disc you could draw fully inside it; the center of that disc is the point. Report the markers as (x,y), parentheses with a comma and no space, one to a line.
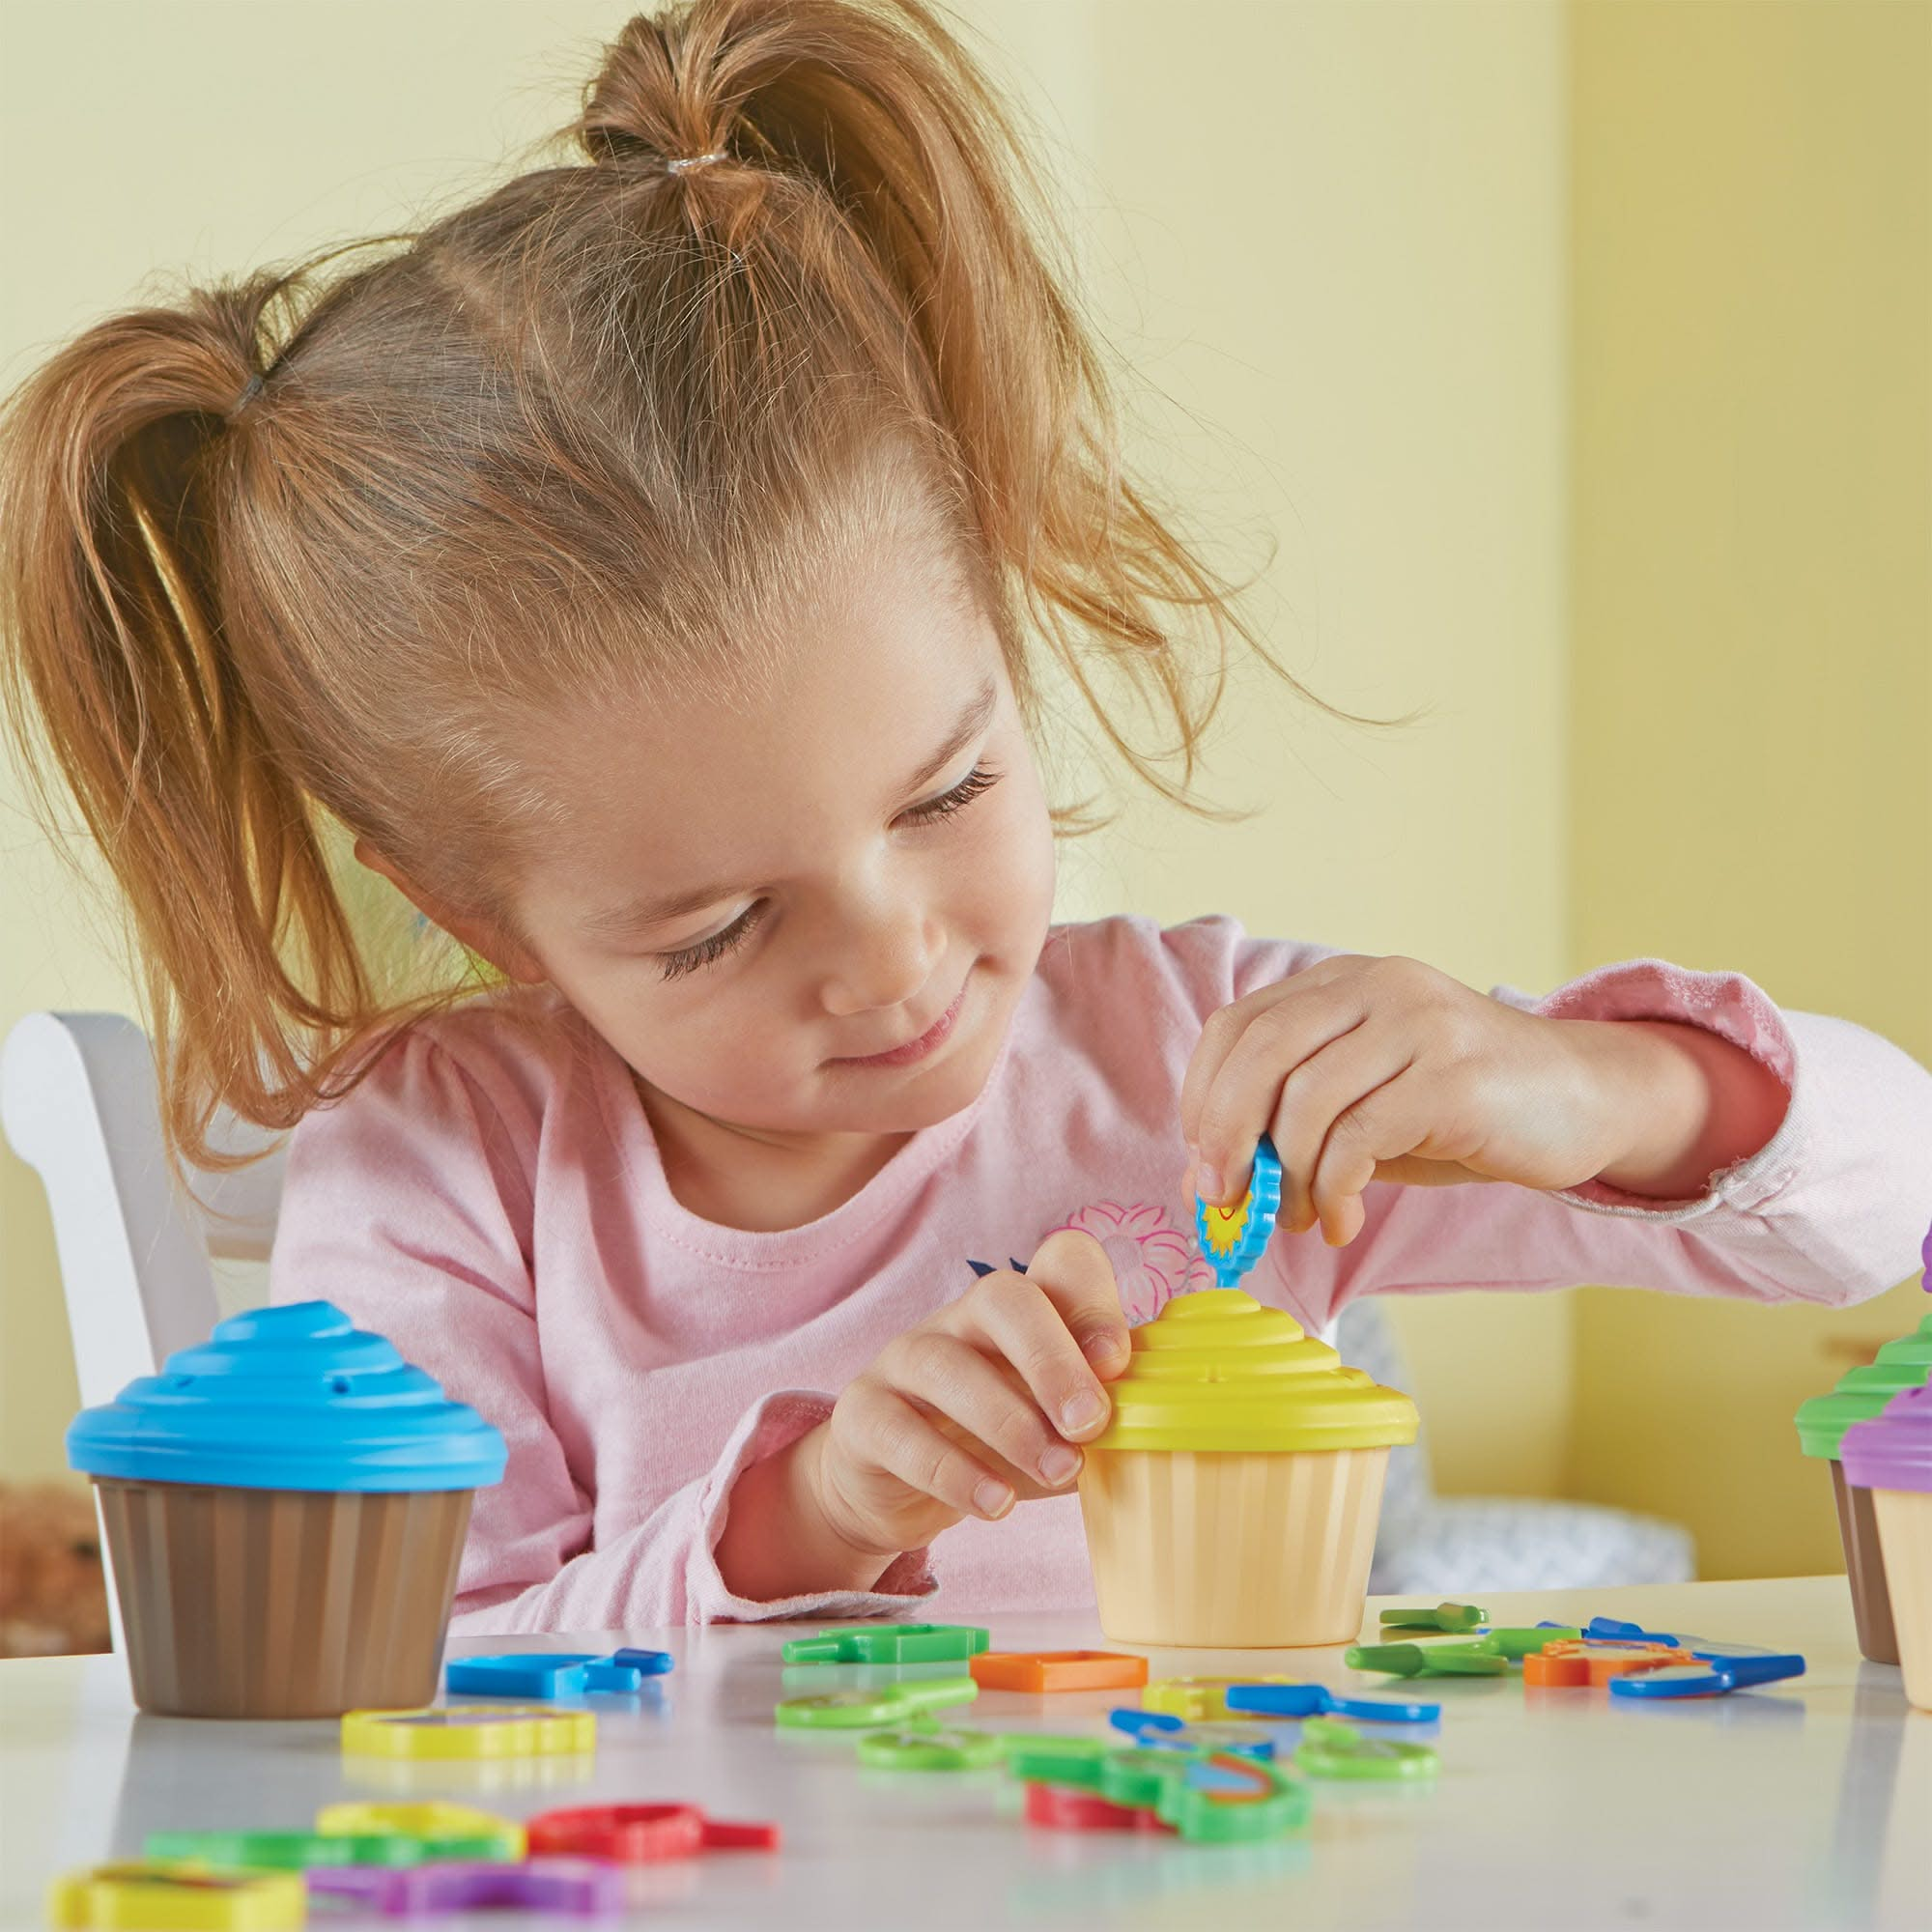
(982,1406)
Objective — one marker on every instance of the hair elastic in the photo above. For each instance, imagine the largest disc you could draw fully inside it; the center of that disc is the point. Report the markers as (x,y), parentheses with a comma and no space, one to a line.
(247,396)
(680,163)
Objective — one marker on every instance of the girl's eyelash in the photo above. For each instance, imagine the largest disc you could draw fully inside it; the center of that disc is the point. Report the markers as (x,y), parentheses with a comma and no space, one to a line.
(978,779)
(708,952)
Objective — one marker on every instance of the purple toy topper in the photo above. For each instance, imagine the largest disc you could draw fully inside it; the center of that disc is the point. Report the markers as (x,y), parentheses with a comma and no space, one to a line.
(368,1885)
(1894,1450)
(587,1888)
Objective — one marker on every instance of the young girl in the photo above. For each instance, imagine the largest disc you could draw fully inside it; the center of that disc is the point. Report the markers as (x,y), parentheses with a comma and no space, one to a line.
(650,568)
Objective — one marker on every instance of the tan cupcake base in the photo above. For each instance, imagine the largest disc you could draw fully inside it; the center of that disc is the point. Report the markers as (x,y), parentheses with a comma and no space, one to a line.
(1905,1529)
(282,1602)
(1865,1566)
(1209,1551)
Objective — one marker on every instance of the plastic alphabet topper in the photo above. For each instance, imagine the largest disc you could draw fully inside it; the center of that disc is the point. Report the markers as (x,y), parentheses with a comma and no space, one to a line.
(1332,1749)
(871,1710)
(296,1851)
(469,1730)
(1193,1698)
(1317,1700)
(1155,1730)
(1452,1619)
(585,1887)
(433,1819)
(1064,1808)
(641,1834)
(553,1673)
(1215,1799)
(1708,1677)
(890,1643)
(932,1747)
(1565,1666)
(1232,1238)
(180,1897)
(1743,1663)
(1517,1642)
(1428,1660)
(1042,1670)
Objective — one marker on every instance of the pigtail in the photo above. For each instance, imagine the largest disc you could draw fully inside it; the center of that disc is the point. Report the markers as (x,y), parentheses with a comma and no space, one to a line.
(121,686)
(881,110)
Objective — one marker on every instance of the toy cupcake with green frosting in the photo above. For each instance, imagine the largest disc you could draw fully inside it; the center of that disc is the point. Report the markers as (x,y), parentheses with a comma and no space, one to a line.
(1821,1423)
(1232,1499)
(285,1509)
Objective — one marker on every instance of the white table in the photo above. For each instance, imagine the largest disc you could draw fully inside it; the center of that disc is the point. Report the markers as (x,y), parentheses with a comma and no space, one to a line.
(1809,1805)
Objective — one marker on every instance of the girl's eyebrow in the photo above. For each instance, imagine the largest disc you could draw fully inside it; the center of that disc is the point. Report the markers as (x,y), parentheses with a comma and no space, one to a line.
(973,720)
(640,913)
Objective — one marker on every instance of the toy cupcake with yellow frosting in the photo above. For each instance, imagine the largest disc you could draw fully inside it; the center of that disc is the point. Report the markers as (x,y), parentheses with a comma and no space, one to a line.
(1232,1499)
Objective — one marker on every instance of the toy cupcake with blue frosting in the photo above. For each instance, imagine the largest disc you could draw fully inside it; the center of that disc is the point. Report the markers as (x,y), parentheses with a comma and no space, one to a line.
(285,1508)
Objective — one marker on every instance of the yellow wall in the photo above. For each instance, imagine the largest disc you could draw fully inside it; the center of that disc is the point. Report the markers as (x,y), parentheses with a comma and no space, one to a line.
(1333,230)
(1751,683)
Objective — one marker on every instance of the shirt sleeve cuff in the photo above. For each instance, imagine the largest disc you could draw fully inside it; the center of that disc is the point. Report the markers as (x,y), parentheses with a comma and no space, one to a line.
(1725,1004)
(773,1424)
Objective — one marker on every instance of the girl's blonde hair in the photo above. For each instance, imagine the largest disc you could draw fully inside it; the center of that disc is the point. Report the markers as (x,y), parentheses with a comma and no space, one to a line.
(555,441)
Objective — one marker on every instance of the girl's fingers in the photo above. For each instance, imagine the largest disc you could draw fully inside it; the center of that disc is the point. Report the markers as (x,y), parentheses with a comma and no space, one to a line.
(1072,1270)
(1224,1027)
(1395,1120)
(1241,1100)
(884,1431)
(1227,1025)
(1313,1096)
(1025,1483)
(1011,1317)
(951,1378)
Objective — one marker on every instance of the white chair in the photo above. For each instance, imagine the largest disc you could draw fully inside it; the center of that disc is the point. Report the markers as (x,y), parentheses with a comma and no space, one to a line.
(141,1262)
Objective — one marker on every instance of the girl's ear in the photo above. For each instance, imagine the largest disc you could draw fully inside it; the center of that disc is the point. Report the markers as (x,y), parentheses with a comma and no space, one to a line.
(481,936)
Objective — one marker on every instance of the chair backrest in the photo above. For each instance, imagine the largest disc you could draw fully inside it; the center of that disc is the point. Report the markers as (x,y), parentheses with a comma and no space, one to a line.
(138,1256)
(79,1103)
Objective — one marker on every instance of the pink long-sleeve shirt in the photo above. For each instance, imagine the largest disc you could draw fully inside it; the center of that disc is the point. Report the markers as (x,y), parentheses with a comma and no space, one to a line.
(491,1199)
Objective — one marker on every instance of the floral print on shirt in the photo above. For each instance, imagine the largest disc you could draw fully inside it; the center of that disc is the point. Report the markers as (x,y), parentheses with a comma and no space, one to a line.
(1154,1260)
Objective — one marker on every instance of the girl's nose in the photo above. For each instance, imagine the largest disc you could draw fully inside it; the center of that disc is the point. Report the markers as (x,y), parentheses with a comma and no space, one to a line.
(883,955)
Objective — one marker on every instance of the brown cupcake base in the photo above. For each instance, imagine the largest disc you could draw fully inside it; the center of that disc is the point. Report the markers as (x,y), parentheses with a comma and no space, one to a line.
(282,1602)
(1864,1564)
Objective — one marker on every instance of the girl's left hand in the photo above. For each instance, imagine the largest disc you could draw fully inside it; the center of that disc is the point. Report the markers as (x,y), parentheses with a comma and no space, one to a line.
(1386,1070)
